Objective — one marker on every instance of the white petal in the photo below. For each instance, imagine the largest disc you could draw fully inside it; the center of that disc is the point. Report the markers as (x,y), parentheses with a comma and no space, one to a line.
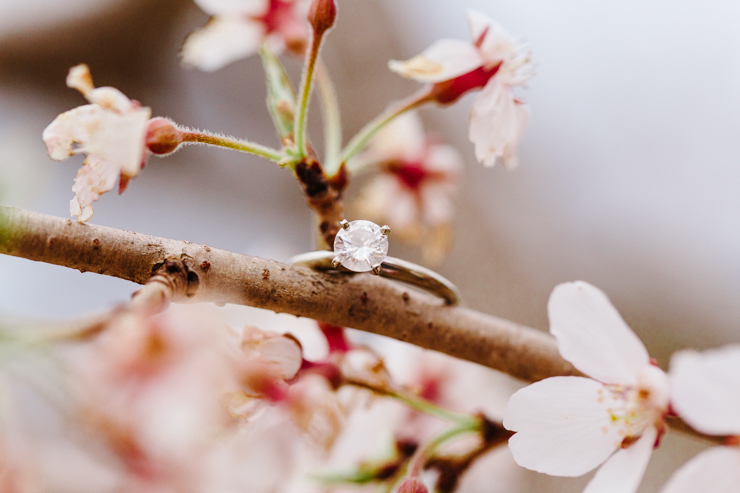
(92,180)
(403,138)
(496,44)
(243,7)
(110,98)
(69,128)
(592,335)
(497,123)
(624,470)
(222,41)
(443,60)
(563,426)
(284,353)
(706,389)
(119,140)
(716,470)
(79,78)
(437,202)
(444,159)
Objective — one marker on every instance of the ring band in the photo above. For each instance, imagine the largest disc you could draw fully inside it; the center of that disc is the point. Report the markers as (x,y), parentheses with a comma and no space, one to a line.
(391,268)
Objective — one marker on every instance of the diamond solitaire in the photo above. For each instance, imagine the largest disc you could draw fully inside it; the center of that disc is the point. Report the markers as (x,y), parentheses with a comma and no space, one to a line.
(361,246)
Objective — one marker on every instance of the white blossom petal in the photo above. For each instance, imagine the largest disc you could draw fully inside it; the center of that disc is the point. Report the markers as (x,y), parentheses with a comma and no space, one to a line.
(592,335)
(443,60)
(563,426)
(444,159)
(497,124)
(716,470)
(402,139)
(437,202)
(385,198)
(284,354)
(624,470)
(496,44)
(70,128)
(92,180)
(706,389)
(222,41)
(239,7)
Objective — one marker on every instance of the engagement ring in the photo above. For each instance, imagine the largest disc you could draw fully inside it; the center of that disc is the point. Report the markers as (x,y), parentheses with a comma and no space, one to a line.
(362,246)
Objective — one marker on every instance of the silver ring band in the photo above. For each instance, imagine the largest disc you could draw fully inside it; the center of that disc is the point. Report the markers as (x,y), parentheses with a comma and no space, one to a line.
(392,268)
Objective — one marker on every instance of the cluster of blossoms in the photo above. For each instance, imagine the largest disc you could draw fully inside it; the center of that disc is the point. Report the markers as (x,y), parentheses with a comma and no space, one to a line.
(568,426)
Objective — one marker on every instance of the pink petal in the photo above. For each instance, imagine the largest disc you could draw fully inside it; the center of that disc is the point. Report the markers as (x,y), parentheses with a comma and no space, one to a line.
(437,203)
(624,470)
(402,139)
(706,389)
(93,179)
(716,470)
(443,60)
(497,124)
(444,159)
(234,7)
(563,426)
(592,335)
(222,41)
(284,354)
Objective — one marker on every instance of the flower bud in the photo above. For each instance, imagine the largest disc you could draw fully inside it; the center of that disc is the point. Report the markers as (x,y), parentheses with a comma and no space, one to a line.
(412,485)
(162,136)
(322,14)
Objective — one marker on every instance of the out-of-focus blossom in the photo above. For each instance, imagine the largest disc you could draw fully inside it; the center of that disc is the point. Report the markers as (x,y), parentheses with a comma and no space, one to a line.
(111,131)
(415,188)
(154,388)
(493,62)
(567,426)
(706,394)
(237,28)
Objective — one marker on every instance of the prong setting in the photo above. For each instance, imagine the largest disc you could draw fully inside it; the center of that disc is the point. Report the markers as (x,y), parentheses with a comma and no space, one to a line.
(344,224)
(377,269)
(386,230)
(336,262)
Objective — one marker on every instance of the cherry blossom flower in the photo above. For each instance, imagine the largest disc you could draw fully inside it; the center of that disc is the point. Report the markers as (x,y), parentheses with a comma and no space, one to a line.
(493,63)
(706,394)
(567,426)
(414,190)
(238,27)
(111,131)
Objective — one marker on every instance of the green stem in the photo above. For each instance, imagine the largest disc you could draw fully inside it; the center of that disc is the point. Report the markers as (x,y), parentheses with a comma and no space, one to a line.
(359,141)
(332,120)
(417,462)
(312,56)
(232,143)
(419,404)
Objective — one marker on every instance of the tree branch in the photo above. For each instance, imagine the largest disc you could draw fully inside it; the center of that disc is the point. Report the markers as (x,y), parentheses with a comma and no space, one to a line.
(362,301)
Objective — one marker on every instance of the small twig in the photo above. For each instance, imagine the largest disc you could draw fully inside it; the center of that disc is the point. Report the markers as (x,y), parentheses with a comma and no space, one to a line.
(360,140)
(232,143)
(332,120)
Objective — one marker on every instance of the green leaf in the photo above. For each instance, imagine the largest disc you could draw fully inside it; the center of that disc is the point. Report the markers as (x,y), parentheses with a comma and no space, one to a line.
(281,100)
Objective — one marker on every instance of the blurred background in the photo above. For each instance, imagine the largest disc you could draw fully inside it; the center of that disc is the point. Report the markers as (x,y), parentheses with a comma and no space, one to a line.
(628,175)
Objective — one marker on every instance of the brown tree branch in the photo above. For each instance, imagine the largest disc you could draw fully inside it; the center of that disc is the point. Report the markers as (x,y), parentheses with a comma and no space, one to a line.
(199,273)
(363,301)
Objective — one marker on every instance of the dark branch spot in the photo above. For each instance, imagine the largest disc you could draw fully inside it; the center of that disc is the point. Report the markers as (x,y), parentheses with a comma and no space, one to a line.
(95,243)
(265,274)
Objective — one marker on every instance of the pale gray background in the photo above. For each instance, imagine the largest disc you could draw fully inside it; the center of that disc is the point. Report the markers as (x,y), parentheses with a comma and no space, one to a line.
(629,172)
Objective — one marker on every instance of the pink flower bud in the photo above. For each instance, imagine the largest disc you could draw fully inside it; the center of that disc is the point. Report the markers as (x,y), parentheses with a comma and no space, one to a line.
(162,136)
(412,485)
(322,14)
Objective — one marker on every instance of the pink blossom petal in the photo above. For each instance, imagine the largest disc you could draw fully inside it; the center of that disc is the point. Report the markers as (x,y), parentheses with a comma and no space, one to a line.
(222,41)
(239,7)
(497,124)
(592,335)
(706,389)
(716,470)
(443,60)
(438,205)
(624,470)
(563,426)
